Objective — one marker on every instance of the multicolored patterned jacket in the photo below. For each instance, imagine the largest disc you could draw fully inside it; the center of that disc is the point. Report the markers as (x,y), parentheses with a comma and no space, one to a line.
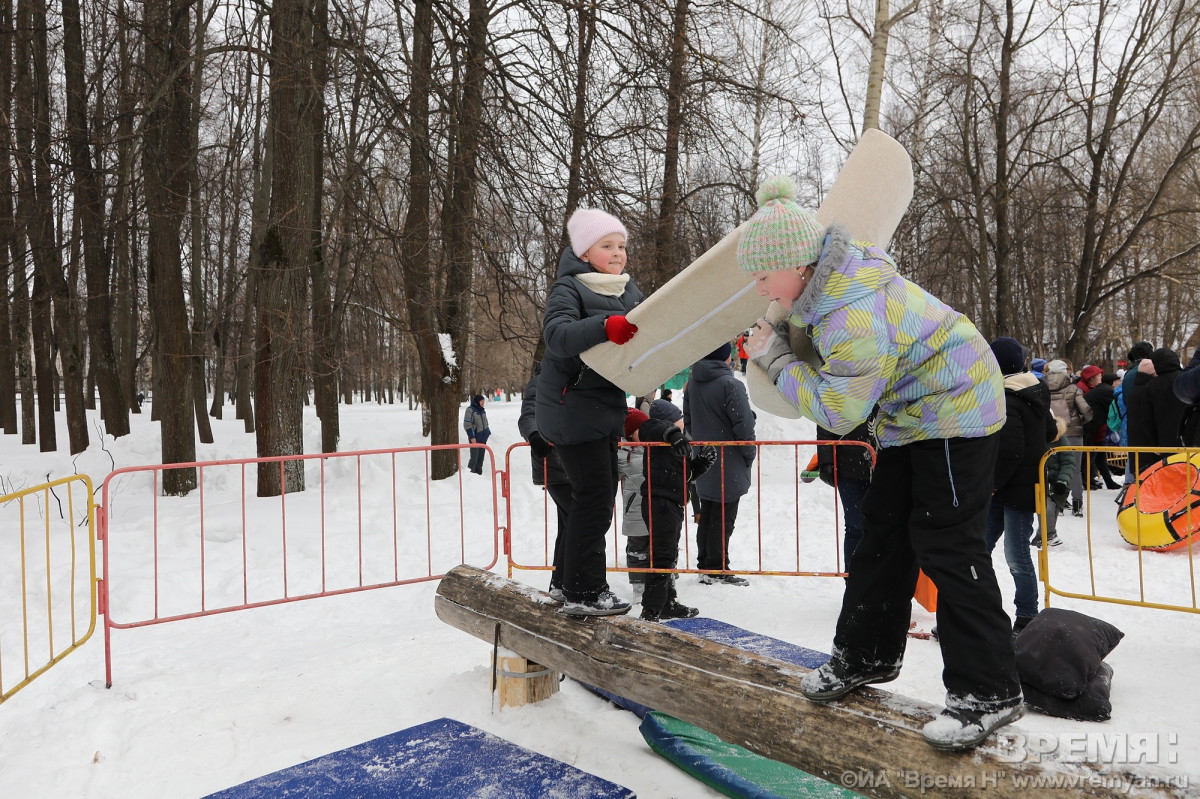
(886,341)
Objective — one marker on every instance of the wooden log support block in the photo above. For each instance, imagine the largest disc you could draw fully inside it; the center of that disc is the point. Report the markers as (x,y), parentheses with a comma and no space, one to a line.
(871,738)
(520,681)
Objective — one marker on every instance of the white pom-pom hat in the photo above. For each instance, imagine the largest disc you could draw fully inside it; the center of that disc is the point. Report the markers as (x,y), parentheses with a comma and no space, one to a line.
(781,234)
(588,225)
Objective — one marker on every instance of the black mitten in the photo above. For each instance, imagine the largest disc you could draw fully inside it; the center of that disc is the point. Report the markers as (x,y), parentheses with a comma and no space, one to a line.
(538,445)
(681,445)
(701,461)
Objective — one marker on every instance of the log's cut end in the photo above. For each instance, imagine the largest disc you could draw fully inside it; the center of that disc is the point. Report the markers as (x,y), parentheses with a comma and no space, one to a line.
(872,737)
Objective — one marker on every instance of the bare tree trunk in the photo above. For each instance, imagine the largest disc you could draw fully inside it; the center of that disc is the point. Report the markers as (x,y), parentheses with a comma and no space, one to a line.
(43,364)
(89,213)
(286,250)
(8,228)
(40,221)
(665,249)
(165,155)
(196,288)
(877,68)
(1005,324)
(324,361)
(124,221)
(458,233)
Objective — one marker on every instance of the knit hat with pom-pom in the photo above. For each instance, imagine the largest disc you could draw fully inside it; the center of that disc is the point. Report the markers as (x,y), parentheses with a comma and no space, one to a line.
(781,234)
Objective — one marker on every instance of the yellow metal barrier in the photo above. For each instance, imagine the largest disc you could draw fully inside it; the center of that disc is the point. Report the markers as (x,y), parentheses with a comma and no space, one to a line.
(46,532)
(1147,578)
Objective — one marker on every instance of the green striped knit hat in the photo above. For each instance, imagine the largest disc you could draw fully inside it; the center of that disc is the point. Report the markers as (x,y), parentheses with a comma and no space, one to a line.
(781,234)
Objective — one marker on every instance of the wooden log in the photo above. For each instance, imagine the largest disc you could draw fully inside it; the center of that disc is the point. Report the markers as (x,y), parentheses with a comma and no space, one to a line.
(870,740)
(520,681)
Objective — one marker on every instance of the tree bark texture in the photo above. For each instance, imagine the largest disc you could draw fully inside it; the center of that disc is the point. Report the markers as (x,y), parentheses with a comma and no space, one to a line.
(165,157)
(665,248)
(8,228)
(90,215)
(287,250)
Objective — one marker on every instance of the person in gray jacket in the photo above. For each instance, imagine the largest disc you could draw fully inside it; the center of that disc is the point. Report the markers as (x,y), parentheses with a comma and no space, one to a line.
(476,423)
(716,407)
(580,412)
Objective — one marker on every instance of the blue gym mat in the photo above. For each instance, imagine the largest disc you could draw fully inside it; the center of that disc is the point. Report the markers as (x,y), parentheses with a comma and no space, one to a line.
(729,635)
(441,759)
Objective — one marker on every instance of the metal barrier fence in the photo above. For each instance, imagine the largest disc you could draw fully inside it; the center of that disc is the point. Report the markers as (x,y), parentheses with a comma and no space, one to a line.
(374,519)
(366,520)
(1150,577)
(814,551)
(48,604)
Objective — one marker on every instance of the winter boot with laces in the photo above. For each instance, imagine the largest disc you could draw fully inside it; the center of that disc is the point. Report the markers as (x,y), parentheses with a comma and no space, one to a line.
(955,730)
(835,679)
(606,603)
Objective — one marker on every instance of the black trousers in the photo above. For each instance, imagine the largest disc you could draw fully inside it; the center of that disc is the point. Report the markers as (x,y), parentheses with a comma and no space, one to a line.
(591,468)
(561,494)
(713,532)
(475,460)
(927,508)
(665,523)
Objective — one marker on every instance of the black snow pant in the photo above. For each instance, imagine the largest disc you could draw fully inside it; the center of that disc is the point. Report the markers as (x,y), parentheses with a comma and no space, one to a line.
(713,532)
(665,522)
(926,509)
(591,468)
(561,494)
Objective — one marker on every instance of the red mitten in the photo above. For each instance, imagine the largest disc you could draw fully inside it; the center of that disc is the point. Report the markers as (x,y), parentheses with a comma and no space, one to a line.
(618,329)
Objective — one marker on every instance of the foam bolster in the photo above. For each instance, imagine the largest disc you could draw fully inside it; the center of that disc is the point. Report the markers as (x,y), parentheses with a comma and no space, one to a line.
(729,768)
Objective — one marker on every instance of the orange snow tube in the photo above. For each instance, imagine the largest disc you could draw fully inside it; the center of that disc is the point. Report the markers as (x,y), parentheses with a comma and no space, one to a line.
(1162,509)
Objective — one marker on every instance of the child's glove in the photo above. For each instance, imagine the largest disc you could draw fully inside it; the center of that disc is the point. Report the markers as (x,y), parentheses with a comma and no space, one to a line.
(1058,493)
(618,329)
(539,446)
(701,461)
(681,445)
(768,349)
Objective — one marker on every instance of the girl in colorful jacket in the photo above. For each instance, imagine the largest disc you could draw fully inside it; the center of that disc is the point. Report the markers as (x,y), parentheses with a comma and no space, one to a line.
(883,341)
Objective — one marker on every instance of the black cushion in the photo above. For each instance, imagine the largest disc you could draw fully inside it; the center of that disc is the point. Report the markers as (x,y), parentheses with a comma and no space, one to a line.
(1091,705)
(1061,651)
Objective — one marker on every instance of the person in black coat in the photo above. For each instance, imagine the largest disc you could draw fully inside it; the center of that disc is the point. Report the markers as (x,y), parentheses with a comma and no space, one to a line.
(1187,391)
(1153,411)
(1028,429)
(581,413)
(1130,386)
(547,471)
(716,407)
(1099,398)
(664,497)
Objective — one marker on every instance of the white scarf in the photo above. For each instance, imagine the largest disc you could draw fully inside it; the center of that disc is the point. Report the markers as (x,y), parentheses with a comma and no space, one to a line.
(604,283)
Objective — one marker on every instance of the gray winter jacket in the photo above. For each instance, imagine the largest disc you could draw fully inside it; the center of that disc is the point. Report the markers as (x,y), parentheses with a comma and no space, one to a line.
(574,404)
(717,408)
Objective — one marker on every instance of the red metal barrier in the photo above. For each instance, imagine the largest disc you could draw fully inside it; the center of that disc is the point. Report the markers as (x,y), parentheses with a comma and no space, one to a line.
(368,519)
(530,534)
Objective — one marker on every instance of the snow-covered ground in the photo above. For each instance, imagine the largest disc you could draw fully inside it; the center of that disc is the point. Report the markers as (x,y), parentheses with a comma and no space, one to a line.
(204,704)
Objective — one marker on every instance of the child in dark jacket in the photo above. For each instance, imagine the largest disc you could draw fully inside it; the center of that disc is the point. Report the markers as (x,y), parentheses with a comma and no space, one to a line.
(664,497)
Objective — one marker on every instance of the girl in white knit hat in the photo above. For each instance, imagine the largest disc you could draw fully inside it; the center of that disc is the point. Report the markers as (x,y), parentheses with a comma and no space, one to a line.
(581,413)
